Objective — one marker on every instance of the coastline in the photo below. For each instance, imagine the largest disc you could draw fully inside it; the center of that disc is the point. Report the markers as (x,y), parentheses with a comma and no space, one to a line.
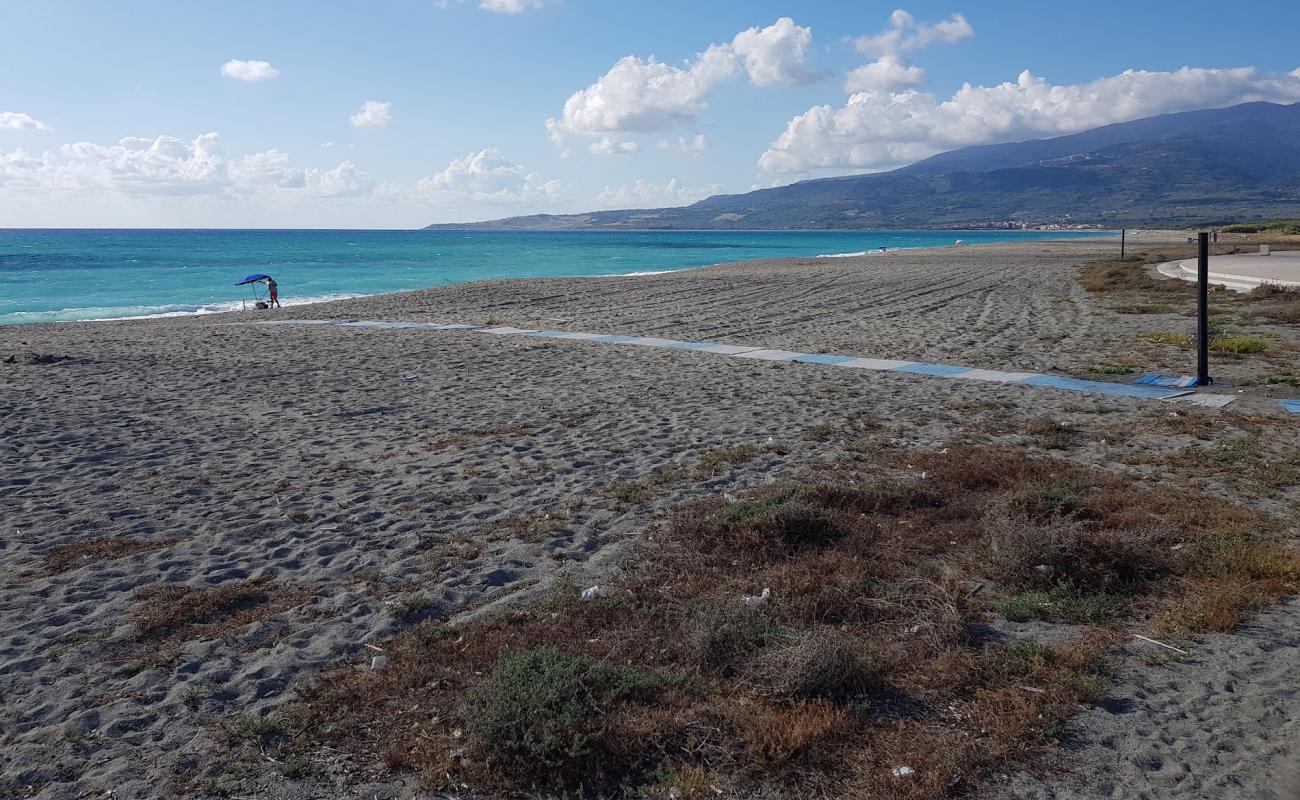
(142,306)
(299,456)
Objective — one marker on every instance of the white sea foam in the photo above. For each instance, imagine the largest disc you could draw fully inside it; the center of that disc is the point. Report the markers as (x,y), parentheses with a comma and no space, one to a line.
(112,313)
(860,253)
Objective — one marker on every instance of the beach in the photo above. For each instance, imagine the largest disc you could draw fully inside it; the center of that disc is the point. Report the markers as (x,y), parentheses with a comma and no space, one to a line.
(351,469)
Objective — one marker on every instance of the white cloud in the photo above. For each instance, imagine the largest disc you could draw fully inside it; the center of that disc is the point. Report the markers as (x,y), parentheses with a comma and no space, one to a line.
(905,34)
(345,180)
(17,121)
(643,194)
(886,74)
(268,168)
(509,6)
(694,145)
(881,129)
(647,96)
(889,73)
(776,55)
(609,146)
(372,114)
(251,71)
(170,167)
(487,176)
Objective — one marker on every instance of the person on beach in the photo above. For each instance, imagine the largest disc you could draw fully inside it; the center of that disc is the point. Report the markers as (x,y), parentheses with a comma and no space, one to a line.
(274,289)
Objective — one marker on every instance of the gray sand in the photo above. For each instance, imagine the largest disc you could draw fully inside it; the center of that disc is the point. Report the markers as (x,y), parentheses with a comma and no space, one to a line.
(298,453)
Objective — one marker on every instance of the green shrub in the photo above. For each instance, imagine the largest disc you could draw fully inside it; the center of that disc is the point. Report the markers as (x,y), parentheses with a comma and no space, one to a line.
(541,710)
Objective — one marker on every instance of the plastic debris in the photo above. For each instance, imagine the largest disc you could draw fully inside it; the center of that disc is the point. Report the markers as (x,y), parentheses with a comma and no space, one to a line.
(754,601)
(378,662)
(904,772)
(411,377)
(593,593)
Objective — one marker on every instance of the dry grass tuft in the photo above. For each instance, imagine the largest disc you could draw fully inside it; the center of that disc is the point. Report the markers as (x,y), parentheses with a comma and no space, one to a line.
(92,551)
(176,611)
(775,735)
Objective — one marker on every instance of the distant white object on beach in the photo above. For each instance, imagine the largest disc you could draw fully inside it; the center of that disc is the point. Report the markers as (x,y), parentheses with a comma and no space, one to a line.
(904,772)
(959,241)
(411,377)
(754,601)
(593,593)
(378,662)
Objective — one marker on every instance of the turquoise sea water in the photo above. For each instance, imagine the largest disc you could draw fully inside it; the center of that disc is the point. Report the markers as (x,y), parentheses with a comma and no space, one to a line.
(59,275)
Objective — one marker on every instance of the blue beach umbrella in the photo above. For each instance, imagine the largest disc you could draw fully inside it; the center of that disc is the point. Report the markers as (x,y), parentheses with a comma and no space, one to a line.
(253,281)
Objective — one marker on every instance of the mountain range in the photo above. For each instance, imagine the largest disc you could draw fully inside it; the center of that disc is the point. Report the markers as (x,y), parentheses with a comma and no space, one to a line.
(1190,168)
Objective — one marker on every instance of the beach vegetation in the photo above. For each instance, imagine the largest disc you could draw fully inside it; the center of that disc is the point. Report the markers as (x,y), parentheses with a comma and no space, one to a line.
(1167,337)
(1146,308)
(93,551)
(1286,227)
(708,463)
(410,607)
(812,635)
(1049,434)
(629,493)
(1131,275)
(1239,345)
(178,612)
(1059,602)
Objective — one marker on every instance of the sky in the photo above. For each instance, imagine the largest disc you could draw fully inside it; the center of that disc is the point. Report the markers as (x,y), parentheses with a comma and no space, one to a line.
(401,113)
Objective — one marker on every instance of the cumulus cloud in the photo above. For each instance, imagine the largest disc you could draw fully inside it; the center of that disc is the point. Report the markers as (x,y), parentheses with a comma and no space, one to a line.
(886,74)
(694,145)
(373,114)
(641,96)
(170,167)
(889,72)
(17,121)
(643,194)
(487,176)
(905,34)
(881,129)
(609,146)
(251,71)
(776,55)
(510,6)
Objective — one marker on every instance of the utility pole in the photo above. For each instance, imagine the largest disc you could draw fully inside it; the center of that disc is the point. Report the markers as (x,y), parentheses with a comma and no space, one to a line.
(1203,311)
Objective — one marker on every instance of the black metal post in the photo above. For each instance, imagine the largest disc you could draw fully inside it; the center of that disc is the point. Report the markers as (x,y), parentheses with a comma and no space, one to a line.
(1123,236)
(1203,312)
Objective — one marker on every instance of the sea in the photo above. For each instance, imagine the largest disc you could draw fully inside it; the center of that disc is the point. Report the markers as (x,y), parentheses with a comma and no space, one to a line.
(71,275)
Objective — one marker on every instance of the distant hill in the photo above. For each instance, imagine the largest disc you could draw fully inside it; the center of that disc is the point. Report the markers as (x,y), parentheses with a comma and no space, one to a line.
(1197,167)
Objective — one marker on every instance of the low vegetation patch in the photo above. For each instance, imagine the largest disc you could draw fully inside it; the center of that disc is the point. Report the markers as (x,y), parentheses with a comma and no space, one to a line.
(811,636)
(1167,337)
(629,493)
(1288,227)
(178,612)
(93,551)
(1239,345)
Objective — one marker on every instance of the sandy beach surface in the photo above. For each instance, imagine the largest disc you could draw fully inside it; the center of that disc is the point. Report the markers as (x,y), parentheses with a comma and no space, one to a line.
(225,452)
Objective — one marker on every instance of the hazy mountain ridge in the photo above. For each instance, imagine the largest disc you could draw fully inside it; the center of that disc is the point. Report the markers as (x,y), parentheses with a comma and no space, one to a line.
(1176,169)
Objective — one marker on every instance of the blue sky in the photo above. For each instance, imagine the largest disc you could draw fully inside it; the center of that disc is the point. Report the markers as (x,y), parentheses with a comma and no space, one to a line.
(108,111)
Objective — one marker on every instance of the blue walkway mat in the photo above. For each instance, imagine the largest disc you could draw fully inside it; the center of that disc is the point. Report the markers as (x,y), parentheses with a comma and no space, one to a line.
(1178,381)
(1148,387)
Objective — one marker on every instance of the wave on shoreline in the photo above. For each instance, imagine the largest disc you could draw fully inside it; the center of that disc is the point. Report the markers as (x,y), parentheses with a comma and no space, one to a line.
(118,313)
